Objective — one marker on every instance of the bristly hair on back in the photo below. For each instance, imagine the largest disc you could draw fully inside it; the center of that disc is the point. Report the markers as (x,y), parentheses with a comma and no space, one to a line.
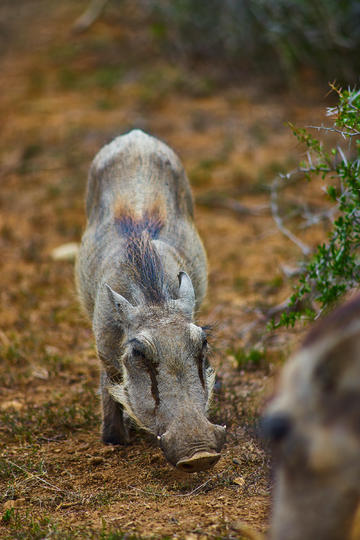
(143,259)
(132,226)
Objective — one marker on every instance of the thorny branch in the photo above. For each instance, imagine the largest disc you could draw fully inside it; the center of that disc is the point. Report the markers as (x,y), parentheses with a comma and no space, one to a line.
(341,132)
(214,200)
(274,206)
(311,219)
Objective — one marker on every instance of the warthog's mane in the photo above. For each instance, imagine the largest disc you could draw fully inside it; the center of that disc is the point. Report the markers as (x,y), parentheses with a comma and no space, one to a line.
(142,257)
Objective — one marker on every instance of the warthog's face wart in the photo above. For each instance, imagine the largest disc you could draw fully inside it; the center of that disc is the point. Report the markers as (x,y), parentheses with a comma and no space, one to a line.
(167,382)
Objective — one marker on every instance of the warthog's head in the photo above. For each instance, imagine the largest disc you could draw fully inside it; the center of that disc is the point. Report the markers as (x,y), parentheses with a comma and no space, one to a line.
(166,379)
(313,424)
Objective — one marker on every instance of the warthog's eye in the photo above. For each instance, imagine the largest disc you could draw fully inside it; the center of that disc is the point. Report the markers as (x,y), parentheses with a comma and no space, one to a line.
(138,353)
(141,354)
(138,349)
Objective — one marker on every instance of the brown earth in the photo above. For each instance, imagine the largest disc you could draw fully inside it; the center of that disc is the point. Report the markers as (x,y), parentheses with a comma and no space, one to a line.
(62,97)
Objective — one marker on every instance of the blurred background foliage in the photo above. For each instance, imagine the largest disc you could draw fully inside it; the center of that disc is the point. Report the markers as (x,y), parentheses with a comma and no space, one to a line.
(277,37)
(222,40)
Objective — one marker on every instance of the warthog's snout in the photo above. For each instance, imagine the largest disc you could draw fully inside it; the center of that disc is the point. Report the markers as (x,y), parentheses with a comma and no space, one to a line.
(193,449)
(198,462)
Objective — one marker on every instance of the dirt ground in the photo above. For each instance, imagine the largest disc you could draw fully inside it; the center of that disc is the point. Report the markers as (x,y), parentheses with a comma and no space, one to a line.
(62,97)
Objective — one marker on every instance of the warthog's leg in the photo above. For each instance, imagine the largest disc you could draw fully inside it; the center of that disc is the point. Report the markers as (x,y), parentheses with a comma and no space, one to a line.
(114,429)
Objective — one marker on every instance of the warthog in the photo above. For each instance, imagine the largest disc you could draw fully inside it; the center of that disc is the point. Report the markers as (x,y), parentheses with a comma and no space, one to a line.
(314,425)
(141,274)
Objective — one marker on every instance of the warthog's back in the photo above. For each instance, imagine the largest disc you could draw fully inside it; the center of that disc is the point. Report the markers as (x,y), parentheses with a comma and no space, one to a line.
(141,171)
(138,189)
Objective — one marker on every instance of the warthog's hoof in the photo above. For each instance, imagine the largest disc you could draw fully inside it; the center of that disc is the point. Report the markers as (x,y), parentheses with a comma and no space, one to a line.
(198,462)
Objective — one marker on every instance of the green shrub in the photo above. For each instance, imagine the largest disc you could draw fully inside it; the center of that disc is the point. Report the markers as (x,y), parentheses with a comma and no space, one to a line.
(334,267)
(248,360)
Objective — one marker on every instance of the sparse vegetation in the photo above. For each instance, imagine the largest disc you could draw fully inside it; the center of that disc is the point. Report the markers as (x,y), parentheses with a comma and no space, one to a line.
(49,419)
(27,527)
(248,360)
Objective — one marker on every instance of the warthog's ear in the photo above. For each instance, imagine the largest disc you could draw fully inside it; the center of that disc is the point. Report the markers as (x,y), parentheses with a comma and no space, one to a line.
(122,306)
(186,300)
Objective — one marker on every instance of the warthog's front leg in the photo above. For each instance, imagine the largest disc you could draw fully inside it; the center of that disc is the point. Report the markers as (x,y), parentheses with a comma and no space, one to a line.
(114,429)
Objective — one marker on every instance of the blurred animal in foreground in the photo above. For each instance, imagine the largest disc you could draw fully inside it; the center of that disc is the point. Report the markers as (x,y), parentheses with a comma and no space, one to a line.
(314,426)
(141,274)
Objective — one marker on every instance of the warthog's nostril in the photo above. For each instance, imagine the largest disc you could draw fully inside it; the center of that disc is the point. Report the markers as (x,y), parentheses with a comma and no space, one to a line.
(198,462)
(276,427)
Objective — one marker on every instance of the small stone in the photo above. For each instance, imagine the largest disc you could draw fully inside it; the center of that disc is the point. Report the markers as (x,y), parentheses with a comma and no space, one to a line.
(12,404)
(13,503)
(51,350)
(65,252)
(96,460)
(239,480)
(40,373)
(4,339)
(85,446)
(241,527)
(9,504)
(107,451)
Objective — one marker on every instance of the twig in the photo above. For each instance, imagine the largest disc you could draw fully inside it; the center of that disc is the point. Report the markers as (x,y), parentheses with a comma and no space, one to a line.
(214,200)
(247,329)
(195,490)
(334,130)
(290,272)
(312,219)
(53,439)
(90,15)
(306,250)
(244,529)
(31,475)
(276,309)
